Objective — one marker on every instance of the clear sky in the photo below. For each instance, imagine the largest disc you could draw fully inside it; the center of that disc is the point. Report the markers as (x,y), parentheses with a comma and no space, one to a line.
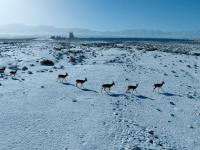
(103,15)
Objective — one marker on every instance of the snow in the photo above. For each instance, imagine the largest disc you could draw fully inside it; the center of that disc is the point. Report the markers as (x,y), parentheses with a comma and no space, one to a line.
(37,112)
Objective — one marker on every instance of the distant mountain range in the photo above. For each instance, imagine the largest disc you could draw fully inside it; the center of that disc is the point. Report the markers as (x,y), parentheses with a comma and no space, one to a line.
(43,30)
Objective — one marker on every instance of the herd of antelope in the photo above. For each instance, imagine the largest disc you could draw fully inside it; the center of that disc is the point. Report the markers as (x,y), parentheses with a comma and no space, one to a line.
(104,87)
(107,87)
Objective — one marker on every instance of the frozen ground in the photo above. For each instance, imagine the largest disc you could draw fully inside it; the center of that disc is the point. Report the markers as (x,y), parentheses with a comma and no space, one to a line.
(37,112)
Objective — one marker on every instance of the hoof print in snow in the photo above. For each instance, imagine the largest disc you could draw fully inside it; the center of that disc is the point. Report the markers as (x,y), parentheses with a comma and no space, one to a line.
(42,87)
(132,147)
(190,126)
(156,137)
(104,123)
(173,71)
(32,65)
(116,114)
(172,103)
(151,141)
(61,67)
(151,132)
(158,110)
(30,72)
(54,67)
(172,115)
(176,76)
(190,96)
(74,100)
(165,74)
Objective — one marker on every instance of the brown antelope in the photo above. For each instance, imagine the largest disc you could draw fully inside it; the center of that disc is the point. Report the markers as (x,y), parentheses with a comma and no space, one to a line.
(80,82)
(158,86)
(13,73)
(107,86)
(62,77)
(132,88)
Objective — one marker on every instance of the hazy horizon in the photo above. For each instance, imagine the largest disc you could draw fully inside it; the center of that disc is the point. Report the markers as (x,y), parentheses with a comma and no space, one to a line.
(22,30)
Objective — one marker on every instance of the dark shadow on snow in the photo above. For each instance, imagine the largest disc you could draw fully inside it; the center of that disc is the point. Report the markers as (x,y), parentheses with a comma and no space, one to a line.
(83,89)
(143,97)
(88,90)
(13,78)
(116,95)
(68,84)
(126,96)
(169,94)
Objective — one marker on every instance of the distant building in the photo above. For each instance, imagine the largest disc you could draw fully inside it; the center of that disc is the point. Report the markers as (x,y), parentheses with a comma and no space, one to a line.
(57,37)
(71,35)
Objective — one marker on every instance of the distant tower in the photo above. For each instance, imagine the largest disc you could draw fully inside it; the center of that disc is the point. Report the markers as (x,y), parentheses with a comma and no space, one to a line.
(71,35)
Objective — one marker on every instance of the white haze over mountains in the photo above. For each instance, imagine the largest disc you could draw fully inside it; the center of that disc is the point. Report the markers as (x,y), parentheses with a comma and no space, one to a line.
(44,30)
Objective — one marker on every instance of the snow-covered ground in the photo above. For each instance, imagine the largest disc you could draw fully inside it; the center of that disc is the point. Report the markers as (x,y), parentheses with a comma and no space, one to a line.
(37,112)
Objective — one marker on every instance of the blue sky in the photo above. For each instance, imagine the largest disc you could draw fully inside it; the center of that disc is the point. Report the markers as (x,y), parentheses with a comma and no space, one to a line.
(103,15)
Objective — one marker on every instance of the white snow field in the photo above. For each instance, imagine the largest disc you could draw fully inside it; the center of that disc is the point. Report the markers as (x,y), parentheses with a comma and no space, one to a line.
(39,113)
